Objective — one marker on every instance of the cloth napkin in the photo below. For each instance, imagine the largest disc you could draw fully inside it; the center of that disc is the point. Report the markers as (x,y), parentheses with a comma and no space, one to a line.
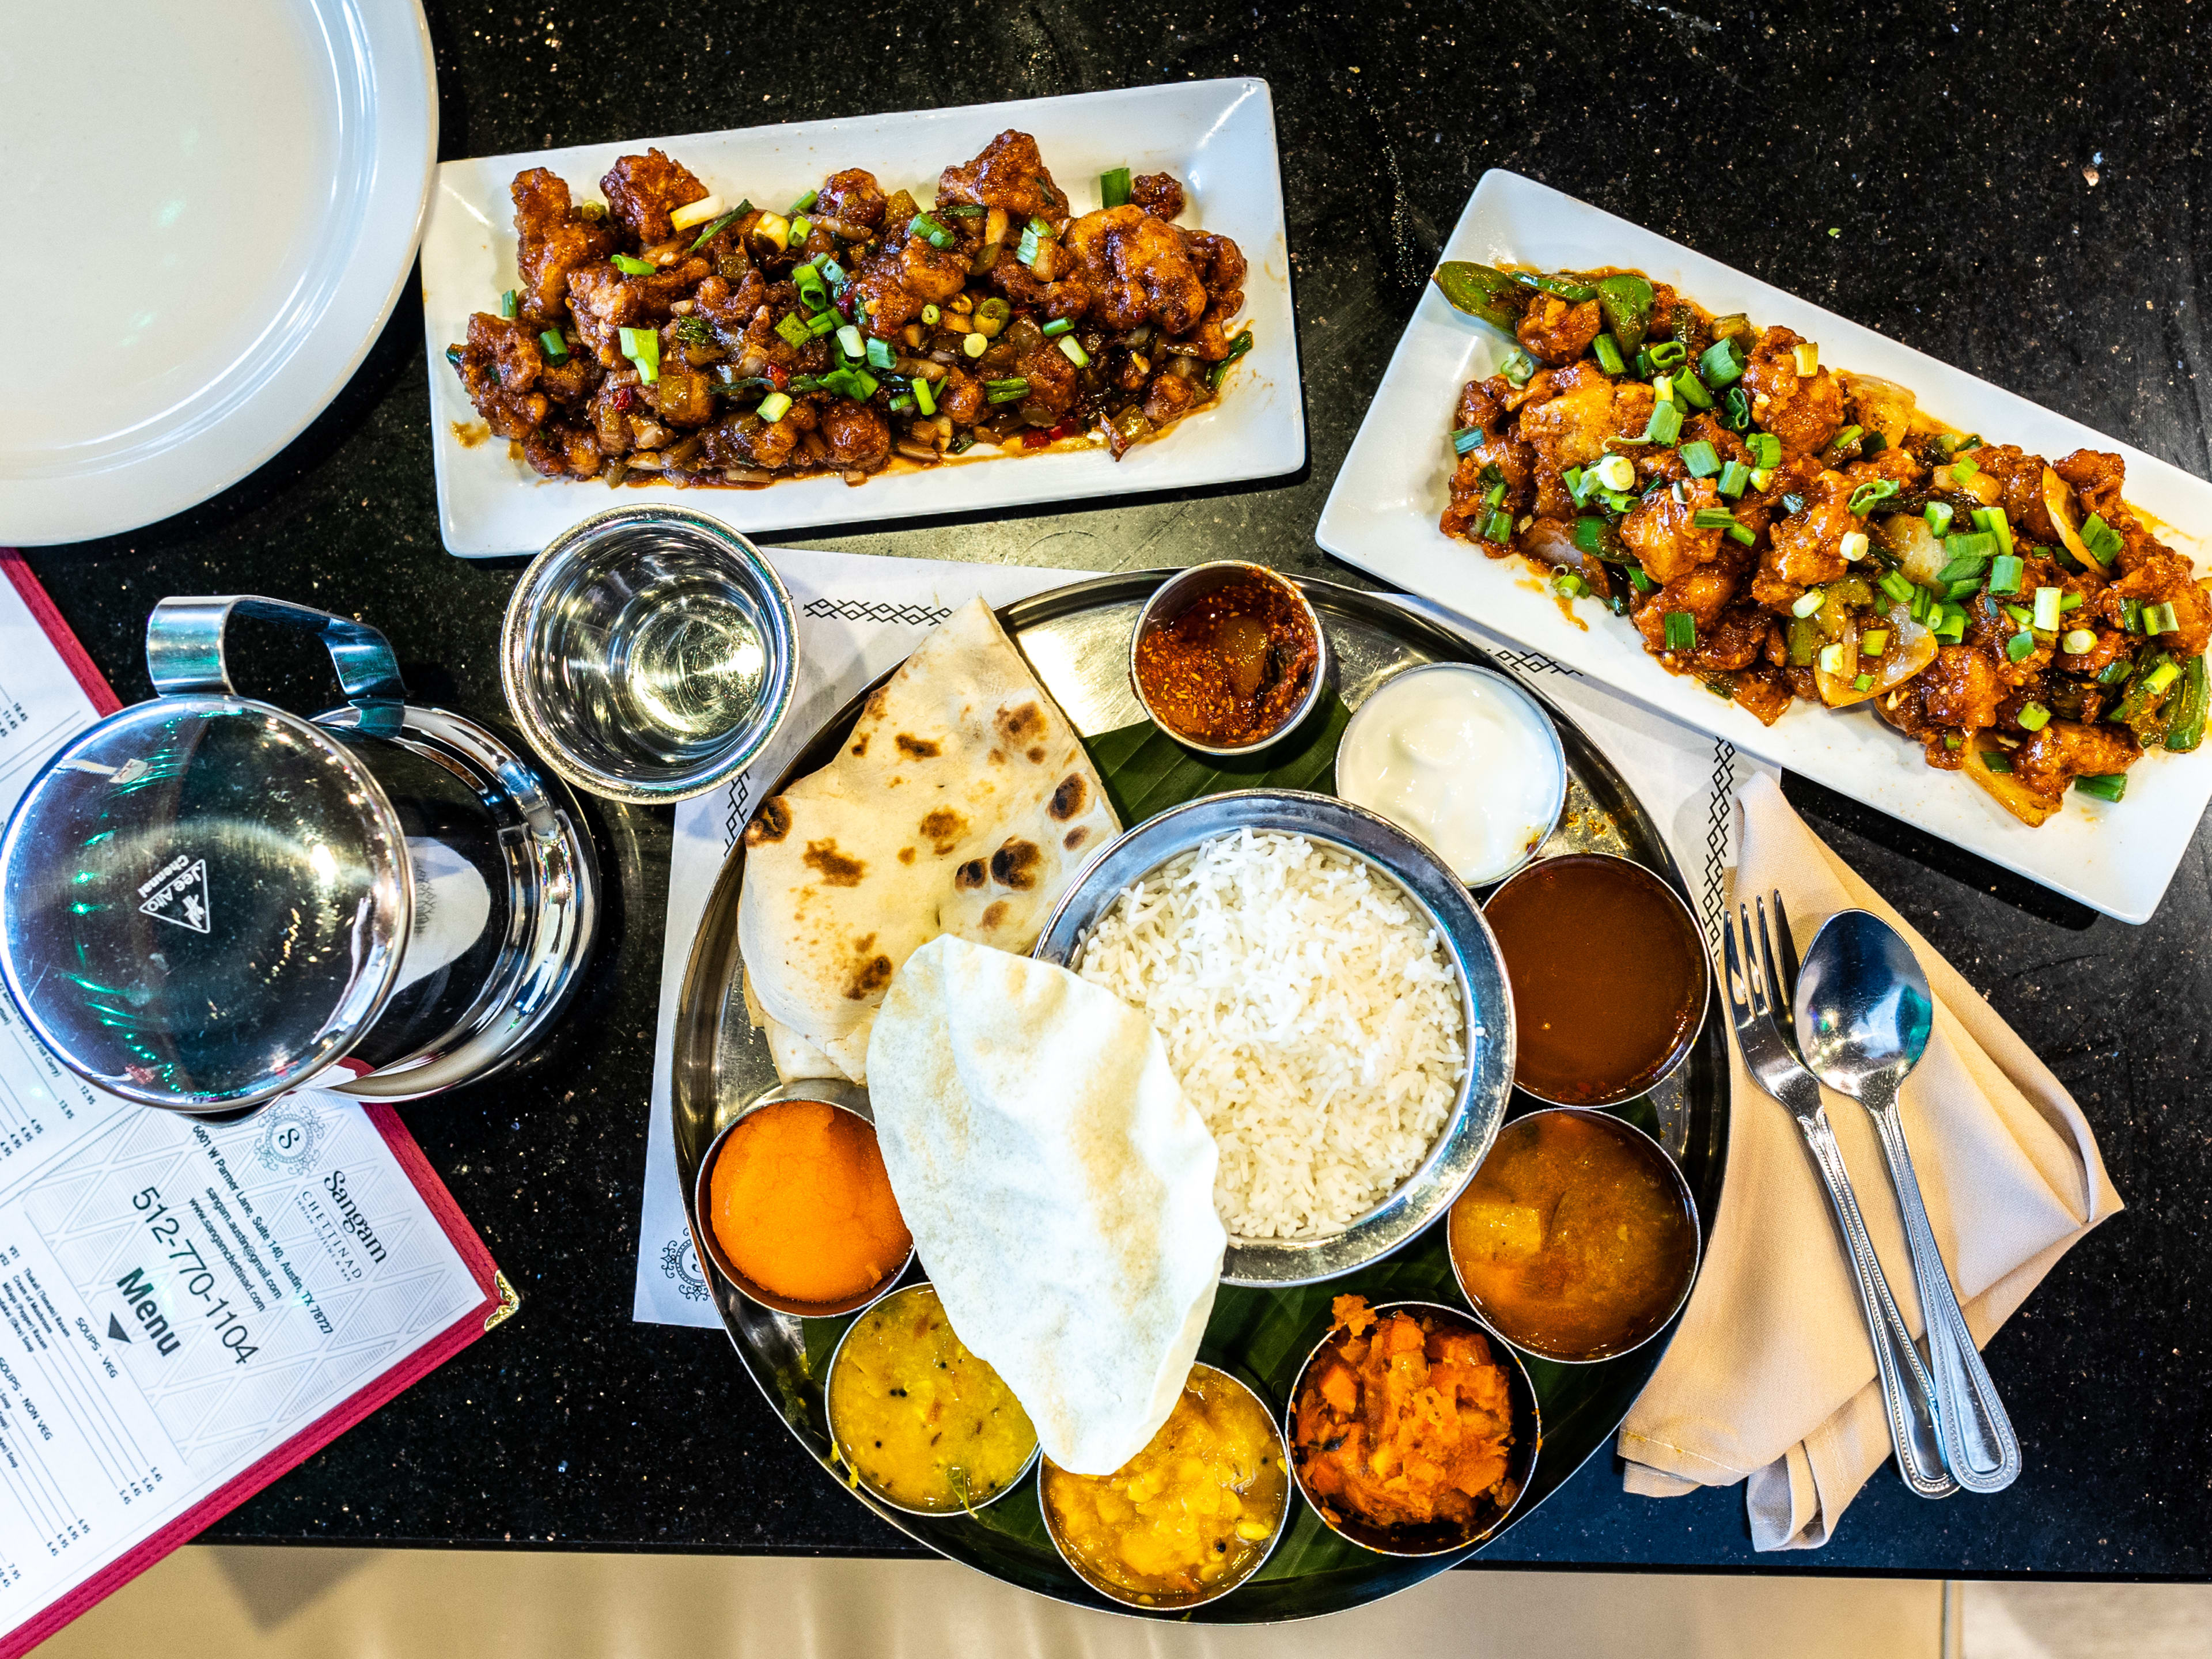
(1771,1378)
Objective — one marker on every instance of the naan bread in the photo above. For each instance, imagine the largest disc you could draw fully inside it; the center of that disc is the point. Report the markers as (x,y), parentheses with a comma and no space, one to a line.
(962,804)
(1058,1187)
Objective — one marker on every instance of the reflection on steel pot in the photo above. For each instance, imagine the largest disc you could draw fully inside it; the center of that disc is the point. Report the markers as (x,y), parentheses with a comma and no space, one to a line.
(210,901)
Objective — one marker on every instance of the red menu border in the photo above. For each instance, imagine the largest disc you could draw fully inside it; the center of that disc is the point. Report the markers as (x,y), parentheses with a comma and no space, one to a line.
(340,1417)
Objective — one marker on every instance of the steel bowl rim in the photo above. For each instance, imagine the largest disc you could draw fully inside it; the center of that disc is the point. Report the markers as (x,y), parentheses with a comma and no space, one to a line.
(1536,1437)
(1120,1597)
(830,1420)
(518,634)
(1688,1046)
(1408,865)
(1697,1242)
(1183,578)
(1556,746)
(840,1096)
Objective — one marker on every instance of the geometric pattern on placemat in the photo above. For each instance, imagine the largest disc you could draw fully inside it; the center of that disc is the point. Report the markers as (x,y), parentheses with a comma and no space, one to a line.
(874,610)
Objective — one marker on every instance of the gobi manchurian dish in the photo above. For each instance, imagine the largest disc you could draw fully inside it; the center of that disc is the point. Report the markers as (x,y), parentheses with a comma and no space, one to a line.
(1782,529)
(665,333)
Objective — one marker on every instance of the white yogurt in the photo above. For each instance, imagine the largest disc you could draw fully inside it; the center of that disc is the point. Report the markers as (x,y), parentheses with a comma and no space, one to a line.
(1460,758)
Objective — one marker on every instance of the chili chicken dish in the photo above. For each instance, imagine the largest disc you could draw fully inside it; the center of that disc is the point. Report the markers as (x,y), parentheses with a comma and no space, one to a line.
(666,334)
(1785,530)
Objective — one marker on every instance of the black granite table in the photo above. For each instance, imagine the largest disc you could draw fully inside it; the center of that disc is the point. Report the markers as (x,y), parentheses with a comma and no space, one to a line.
(2023,194)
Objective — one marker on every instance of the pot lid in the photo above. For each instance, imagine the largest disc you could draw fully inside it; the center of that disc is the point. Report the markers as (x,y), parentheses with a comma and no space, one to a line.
(206,903)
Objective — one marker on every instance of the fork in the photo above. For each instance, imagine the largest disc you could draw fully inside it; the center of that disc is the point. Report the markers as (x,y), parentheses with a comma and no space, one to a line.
(1760,1006)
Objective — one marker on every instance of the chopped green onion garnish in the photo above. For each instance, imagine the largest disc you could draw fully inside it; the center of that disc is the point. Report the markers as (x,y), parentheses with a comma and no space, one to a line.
(2033,717)
(1590,536)
(1962,470)
(1570,585)
(973,345)
(1692,390)
(1847,438)
(821,323)
(1939,516)
(1897,586)
(2005,573)
(2109,785)
(1952,629)
(1012,390)
(1862,683)
(901,404)
(1615,472)
(630,265)
(642,347)
(2077,641)
(1832,658)
(2019,645)
(1873,641)
(925,394)
(800,226)
(506,303)
(1607,350)
(1114,187)
(1029,247)
(2100,539)
(773,407)
(1963,588)
(1237,348)
(2112,673)
(720,225)
(2046,608)
(1733,476)
(1996,760)
(1953,741)
(793,332)
(555,347)
(1976,544)
(2155,681)
(1518,368)
(1807,356)
(1765,449)
(2131,615)
(1993,520)
(1792,503)
(1853,545)
(1669,354)
(1682,630)
(1498,527)
(1466,439)
(808,280)
(930,231)
(1808,602)
(848,340)
(803,203)
(931,316)
(2160,619)
(2019,614)
(1702,459)
(1071,349)
(1723,362)
(1058,326)
(2069,602)
(880,355)
(1639,582)
(1666,424)
(1712,518)
(1873,444)
(1867,494)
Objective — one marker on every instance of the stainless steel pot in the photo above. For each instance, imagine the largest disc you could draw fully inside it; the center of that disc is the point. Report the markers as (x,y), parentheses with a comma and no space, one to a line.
(209,901)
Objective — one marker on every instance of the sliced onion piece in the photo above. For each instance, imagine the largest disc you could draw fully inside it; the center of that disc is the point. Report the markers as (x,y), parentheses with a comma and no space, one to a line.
(1911,648)
(2058,502)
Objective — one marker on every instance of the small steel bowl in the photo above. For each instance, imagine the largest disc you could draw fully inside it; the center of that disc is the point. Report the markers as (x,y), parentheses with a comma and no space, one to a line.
(649,654)
(1653,1326)
(1175,595)
(829,1416)
(1113,1592)
(1485,1001)
(1555,761)
(1436,1539)
(1637,1087)
(830,1091)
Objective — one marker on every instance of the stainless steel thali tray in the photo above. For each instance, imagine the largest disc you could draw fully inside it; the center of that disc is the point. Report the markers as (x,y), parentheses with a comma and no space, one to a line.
(1076,638)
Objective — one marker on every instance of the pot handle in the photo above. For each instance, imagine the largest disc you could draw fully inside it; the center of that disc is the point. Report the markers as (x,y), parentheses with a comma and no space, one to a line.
(185,649)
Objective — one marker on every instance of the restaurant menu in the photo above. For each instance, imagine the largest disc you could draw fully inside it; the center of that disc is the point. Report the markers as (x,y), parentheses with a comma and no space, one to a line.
(186,1310)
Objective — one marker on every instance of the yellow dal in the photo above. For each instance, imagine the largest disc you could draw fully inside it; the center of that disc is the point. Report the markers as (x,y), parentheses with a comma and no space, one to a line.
(923,1421)
(1191,1511)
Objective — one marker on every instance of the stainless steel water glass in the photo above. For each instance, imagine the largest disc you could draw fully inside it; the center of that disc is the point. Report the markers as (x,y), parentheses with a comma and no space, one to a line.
(650,652)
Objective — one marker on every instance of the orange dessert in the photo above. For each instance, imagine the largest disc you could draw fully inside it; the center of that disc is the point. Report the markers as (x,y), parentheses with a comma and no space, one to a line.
(801,1204)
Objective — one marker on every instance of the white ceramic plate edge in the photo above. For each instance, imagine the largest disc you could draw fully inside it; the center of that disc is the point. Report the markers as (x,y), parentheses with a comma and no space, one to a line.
(114,500)
(1258,430)
(1381,516)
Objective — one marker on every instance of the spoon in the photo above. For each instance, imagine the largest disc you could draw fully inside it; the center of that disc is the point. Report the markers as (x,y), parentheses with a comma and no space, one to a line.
(1863,1016)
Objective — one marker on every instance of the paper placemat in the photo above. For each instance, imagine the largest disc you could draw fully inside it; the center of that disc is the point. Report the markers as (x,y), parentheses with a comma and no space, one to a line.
(861,616)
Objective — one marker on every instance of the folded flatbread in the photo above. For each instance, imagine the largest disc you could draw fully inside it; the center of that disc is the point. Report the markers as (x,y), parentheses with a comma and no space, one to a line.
(962,804)
(1058,1187)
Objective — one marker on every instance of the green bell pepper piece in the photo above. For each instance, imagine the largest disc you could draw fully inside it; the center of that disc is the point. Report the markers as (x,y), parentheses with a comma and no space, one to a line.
(1481,291)
(1626,303)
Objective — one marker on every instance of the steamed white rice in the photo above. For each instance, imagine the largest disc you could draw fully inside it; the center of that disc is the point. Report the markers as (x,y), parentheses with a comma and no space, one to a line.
(1309,1010)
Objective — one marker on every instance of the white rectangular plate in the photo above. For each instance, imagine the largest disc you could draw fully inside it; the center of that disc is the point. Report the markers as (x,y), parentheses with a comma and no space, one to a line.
(1381,516)
(1217,137)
